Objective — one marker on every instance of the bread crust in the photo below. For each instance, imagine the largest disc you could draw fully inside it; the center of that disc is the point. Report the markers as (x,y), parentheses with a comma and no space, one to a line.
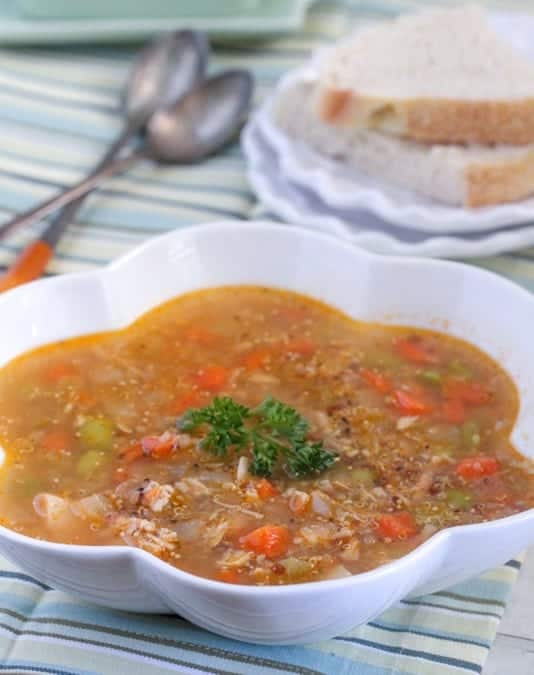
(508,181)
(433,120)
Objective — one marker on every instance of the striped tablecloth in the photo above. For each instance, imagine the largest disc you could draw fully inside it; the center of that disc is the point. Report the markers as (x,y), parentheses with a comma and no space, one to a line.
(58,111)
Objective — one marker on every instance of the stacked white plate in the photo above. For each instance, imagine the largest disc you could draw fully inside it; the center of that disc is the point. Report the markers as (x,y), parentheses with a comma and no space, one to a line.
(307,189)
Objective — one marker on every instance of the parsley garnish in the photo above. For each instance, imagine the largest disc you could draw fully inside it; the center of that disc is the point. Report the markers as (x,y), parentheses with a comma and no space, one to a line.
(272,431)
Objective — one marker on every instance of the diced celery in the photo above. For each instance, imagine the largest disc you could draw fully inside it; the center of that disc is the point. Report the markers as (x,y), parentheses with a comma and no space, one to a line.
(27,487)
(443,450)
(362,476)
(96,433)
(296,568)
(470,435)
(381,359)
(459,369)
(431,376)
(89,463)
(458,499)
(433,513)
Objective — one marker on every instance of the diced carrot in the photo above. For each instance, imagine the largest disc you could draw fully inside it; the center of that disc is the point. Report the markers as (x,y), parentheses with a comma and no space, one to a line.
(269,540)
(212,378)
(376,380)
(414,350)
(131,453)
(396,525)
(474,468)
(189,399)
(453,411)
(412,403)
(120,474)
(162,450)
(84,399)
(151,495)
(266,489)
(60,370)
(300,346)
(200,335)
(299,503)
(228,576)
(148,443)
(257,358)
(157,448)
(469,393)
(56,440)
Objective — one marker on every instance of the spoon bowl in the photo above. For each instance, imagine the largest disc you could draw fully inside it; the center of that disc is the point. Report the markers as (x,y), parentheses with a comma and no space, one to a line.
(202,121)
(196,126)
(165,70)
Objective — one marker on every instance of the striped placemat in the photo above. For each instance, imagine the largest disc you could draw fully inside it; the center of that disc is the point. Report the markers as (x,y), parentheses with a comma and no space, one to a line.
(47,631)
(58,111)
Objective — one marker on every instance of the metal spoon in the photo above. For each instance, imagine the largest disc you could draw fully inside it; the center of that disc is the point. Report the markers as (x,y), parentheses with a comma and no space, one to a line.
(195,126)
(166,69)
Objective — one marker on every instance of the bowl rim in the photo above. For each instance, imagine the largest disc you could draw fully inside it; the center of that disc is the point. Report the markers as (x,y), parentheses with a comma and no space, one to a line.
(422,550)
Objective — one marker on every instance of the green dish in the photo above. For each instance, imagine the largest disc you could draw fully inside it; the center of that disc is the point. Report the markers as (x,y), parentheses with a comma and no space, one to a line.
(38,22)
(170,9)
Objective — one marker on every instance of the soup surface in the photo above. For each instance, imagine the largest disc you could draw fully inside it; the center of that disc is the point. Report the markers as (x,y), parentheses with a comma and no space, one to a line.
(318,447)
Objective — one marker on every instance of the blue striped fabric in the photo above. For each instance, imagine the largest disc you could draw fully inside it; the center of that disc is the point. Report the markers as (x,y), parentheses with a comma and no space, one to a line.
(43,630)
(58,111)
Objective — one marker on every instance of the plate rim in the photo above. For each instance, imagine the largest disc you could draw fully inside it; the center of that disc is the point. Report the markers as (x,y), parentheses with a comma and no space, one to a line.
(434,218)
(446,245)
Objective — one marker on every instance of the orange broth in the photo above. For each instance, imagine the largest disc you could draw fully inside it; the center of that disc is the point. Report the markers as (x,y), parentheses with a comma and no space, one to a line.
(419,422)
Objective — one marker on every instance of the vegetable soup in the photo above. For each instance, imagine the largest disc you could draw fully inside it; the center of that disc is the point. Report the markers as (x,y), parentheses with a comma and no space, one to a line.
(256,436)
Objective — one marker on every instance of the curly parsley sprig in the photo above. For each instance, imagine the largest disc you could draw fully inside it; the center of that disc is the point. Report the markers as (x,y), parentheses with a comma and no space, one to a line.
(272,431)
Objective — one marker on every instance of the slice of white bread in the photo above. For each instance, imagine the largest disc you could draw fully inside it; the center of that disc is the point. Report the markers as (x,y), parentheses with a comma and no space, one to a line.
(470,176)
(440,76)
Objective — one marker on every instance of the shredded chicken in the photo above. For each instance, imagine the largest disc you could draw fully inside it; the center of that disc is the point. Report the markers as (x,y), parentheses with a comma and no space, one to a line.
(235,558)
(298,500)
(351,551)
(144,534)
(157,496)
(214,534)
(406,422)
(237,507)
(192,486)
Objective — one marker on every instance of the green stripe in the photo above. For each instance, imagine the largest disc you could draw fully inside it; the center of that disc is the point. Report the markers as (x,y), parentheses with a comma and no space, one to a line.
(404,652)
(19,576)
(56,99)
(449,608)
(19,667)
(468,598)
(153,639)
(423,633)
(126,650)
(514,563)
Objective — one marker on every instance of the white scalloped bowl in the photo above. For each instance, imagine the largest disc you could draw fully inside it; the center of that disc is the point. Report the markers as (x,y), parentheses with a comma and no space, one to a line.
(467,302)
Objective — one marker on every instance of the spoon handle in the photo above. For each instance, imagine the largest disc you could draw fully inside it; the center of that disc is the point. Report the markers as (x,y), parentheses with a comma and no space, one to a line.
(29,265)
(54,230)
(31,262)
(77,190)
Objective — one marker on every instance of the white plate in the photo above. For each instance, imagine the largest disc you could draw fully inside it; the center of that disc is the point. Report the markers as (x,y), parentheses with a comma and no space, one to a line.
(344,188)
(303,206)
(425,293)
